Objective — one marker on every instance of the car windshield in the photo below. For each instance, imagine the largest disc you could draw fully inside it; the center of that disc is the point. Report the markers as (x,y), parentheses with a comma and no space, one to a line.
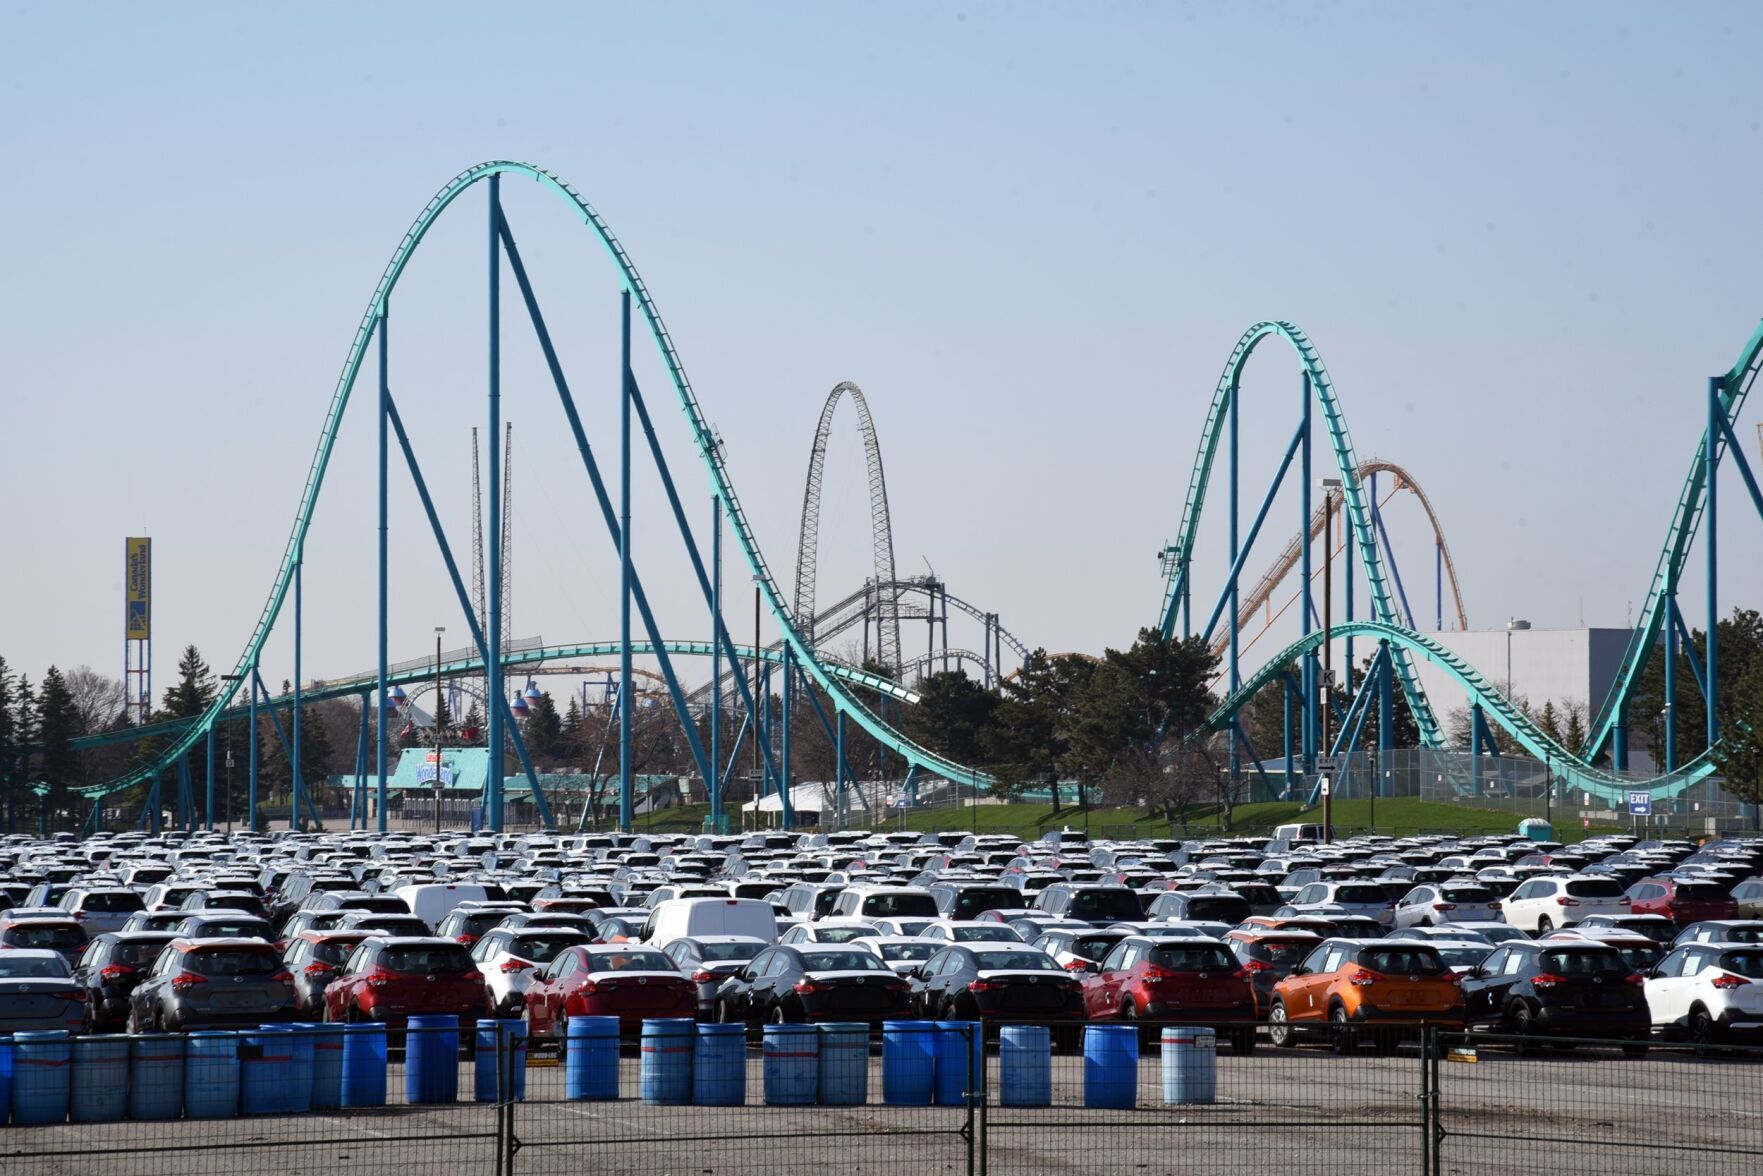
(33,967)
(112,901)
(1464,957)
(1700,892)
(1226,907)
(1413,961)
(1740,934)
(232,962)
(1014,961)
(1278,951)
(135,954)
(884,906)
(728,953)
(1193,959)
(909,952)
(1641,956)
(544,949)
(45,934)
(1598,962)
(1595,888)
(450,960)
(1094,947)
(632,961)
(841,961)
(1361,893)
(969,903)
(1105,904)
(840,934)
(1744,963)
(334,952)
(1466,894)
(989,933)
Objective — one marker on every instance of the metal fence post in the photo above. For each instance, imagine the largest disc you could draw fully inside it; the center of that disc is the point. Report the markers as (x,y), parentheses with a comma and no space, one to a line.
(1428,1045)
(980,1095)
(968,1131)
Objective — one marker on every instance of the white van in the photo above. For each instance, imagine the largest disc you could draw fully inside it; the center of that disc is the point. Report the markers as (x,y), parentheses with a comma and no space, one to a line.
(432,901)
(1295,834)
(681,918)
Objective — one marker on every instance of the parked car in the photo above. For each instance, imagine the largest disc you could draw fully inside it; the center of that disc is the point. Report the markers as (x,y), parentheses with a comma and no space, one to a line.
(164,920)
(1432,904)
(1708,993)
(61,934)
(101,908)
(1003,981)
(387,980)
(969,931)
(866,901)
(1364,899)
(389,926)
(314,959)
(902,953)
(679,918)
(1080,949)
(1098,905)
(808,982)
(109,969)
(1350,989)
(465,923)
(1642,954)
(510,959)
(1721,931)
(832,930)
(628,981)
(710,960)
(219,924)
(1539,905)
(212,984)
(1558,987)
(1211,905)
(1683,902)
(1268,957)
(225,900)
(38,991)
(967,900)
(1655,927)
(1749,895)
(1157,978)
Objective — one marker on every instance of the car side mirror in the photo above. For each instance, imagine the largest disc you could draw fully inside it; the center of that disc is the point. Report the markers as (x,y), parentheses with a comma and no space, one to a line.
(1300,970)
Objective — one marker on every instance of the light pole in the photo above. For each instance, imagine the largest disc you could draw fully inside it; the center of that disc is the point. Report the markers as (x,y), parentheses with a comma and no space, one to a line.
(1329,487)
(435,717)
(229,761)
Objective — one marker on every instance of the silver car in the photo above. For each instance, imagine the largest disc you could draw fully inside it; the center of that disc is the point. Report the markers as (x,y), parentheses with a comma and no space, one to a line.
(37,991)
(1456,901)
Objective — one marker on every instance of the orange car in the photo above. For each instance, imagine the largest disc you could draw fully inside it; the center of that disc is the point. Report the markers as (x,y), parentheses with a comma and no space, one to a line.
(1347,986)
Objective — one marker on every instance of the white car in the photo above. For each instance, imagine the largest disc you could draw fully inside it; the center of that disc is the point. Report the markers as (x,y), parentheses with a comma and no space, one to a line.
(1708,992)
(900,926)
(970,931)
(902,953)
(1355,898)
(1540,905)
(509,958)
(831,930)
(1455,901)
(1462,956)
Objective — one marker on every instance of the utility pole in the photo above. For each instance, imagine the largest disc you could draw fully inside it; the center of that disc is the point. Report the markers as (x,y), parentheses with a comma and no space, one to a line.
(436,719)
(1329,487)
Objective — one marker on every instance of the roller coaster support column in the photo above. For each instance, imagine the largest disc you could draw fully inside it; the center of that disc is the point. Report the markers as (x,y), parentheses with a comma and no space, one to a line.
(493,622)
(839,761)
(1438,585)
(379,718)
(297,781)
(1347,576)
(208,807)
(715,781)
(626,783)
(789,698)
(1386,727)
(1286,684)
(1235,550)
(358,798)
(251,751)
(1305,609)
(1619,741)
(1670,680)
(1475,747)
(1716,419)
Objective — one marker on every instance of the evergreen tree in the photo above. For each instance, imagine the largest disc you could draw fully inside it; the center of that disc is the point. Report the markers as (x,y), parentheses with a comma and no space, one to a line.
(571,733)
(474,716)
(1029,738)
(952,714)
(1550,723)
(1573,735)
(194,689)
(57,724)
(544,729)
(8,736)
(24,734)
(443,713)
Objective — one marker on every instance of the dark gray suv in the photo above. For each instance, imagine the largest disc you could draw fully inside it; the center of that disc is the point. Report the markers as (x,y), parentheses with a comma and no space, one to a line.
(212,984)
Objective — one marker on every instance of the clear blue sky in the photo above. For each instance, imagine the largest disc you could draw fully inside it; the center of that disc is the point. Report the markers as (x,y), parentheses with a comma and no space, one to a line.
(1521,235)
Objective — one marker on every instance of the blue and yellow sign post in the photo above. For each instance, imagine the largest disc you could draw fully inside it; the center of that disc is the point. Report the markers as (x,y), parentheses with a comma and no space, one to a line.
(137,598)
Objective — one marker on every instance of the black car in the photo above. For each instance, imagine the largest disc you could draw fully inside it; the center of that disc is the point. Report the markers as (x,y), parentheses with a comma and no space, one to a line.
(1221,906)
(1558,988)
(113,964)
(301,890)
(974,982)
(1100,905)
(468,924)
(967,900)
(225,925)
(806,982)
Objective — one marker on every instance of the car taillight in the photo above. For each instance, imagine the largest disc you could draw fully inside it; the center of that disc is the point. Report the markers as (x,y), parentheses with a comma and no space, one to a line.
(115,972)
(285,979)
(1077,966)
(1154,973)
(703,976)
(379,978)
(318,970)
(587,988)
(467,940)
(71,994)
(1548,980)
(1361,977)
(1444,906)
(1256,966)
(1494,906)
(980,986)
(80,915)
(185,980)
(1567,902)
(516,966)
(1635,978)
(806,987)
(1728,980)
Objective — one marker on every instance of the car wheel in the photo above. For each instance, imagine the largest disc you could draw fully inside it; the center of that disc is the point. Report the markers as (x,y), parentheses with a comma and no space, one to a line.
(1279,1029)
(134,1022)
(1635,1049)
(1342,1038)
(1545,925)
(1242,1041)
(1703,1030)
(724,1015)
(1129,1014)
(559,1032)
(778,1015)
(1523,1030)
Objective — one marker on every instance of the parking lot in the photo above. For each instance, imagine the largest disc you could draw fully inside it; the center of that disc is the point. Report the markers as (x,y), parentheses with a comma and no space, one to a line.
(1302,1111)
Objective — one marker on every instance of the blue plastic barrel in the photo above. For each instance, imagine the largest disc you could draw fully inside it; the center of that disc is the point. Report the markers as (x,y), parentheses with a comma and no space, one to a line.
(1111,1066)
(327,1066)
(5,1078)
(665,1078)
(1190,1065)
(909,1052)
(844,1063)
(266,1062)
(1025,1066)
(960,1054)
(719,1066)
(501,1057)
(792,1065)
(515,1031)
(364,1066)
(41,1061)
(211,1075)
(99,1090)
(590,1059)
(431,1060)
(156,1077)
(303,1036)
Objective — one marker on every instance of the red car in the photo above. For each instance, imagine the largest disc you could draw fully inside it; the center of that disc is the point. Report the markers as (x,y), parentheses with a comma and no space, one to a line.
(1175,979)
(1682,902)
(389,980)
(627,981)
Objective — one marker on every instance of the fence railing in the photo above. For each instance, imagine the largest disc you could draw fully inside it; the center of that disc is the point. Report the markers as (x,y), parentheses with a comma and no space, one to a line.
(936,1097)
